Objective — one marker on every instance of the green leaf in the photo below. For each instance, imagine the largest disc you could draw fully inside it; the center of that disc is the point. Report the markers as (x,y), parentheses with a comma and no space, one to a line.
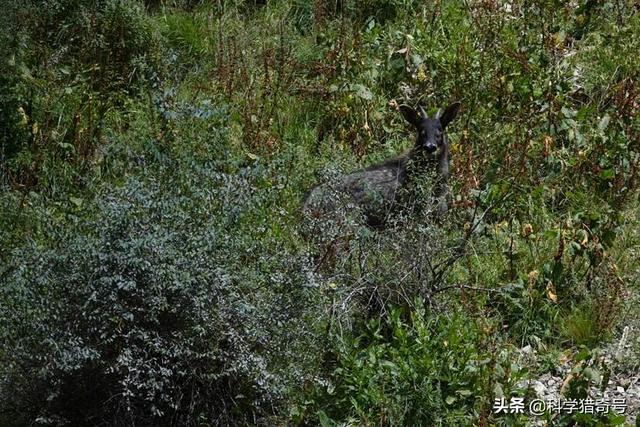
(583,354)
(324,419)
(389,364)
(592,374)
(567,113)
(607,174)
(604,122)
(537,91)
(371,24)
(618,420)
(450,400)
(362,92)
(497,390)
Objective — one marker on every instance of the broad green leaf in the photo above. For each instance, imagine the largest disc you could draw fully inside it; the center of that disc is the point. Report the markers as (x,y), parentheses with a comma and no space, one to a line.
(324,419)
(362,91)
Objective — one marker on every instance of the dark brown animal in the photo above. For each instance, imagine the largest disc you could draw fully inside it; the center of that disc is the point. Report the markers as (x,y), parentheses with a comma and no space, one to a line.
(381,189)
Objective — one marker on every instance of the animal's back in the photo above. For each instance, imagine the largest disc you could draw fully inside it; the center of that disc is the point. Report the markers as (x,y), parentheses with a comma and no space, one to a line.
(373,190)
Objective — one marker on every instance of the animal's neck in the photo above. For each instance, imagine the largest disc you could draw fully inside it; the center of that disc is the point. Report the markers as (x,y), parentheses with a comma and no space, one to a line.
(422,161)
(443,163)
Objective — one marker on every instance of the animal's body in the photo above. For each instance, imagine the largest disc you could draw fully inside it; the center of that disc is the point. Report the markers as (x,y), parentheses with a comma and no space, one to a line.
(379,190)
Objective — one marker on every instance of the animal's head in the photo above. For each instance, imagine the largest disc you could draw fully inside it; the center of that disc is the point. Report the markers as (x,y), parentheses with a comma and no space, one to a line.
(431,135)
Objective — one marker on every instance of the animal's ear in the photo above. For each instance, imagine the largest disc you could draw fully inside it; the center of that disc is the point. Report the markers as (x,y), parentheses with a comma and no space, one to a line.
(410,115)
(449,114)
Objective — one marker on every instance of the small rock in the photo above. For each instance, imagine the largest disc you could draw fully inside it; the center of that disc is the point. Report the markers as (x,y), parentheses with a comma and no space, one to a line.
(539,388)
(620,390)
(522,384)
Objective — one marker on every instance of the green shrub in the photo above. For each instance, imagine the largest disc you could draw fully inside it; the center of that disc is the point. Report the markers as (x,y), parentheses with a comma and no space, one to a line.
(149,314)
(186,295)
(431,370)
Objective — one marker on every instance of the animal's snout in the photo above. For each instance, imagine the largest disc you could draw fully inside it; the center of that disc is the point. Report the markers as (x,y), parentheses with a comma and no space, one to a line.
(431,148)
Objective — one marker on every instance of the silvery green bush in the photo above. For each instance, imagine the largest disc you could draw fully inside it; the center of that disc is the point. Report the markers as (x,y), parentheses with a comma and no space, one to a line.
(145,315)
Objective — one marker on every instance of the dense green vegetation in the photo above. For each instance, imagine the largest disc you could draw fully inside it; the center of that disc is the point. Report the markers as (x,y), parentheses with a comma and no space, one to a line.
(154,157)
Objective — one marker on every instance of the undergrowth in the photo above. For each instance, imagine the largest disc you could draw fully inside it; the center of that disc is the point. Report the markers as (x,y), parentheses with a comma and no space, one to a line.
(154,157)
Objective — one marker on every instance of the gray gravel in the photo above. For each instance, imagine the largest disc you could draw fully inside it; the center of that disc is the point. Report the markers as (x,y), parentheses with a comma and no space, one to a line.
(623,383)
